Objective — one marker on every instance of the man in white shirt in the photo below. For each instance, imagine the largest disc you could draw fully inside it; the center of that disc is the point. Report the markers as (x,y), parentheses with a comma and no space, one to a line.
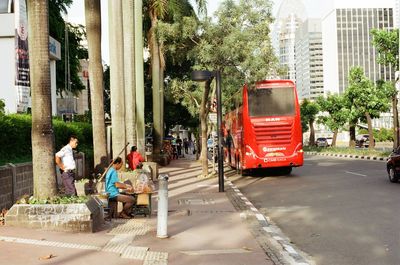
(66,163)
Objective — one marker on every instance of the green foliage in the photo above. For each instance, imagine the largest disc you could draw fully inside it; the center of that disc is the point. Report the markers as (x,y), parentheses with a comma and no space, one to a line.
(382,135)
(308,112)
(387,45)
(335,108)
(348,151)
(364,97)
(2,106)
(54,200)
(76,51)
(15,137)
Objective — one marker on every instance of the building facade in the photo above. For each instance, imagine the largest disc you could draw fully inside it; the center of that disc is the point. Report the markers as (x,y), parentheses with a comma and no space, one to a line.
(309,60)
(347,41)
(291,13)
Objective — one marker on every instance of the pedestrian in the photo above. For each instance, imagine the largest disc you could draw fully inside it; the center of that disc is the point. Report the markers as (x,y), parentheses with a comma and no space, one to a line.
(135,159)
(179,145)
(186,145)
(113,185)
(65,161)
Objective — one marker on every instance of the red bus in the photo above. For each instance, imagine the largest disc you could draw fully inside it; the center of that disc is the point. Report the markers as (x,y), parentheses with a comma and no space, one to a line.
(263,127)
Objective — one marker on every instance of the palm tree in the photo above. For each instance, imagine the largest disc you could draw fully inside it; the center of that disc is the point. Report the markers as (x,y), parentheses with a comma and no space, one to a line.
(129,66)
(93,31)
(117,77)
(139,76)
(44,181)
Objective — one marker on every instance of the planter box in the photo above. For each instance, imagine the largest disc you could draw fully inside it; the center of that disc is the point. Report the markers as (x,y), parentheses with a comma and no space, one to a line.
(79,217)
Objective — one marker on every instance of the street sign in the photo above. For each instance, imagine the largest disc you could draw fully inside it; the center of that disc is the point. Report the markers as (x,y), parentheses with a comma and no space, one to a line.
(212,117)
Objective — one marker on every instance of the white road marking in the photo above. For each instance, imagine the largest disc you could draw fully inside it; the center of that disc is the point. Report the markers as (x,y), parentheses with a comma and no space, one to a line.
(357,174)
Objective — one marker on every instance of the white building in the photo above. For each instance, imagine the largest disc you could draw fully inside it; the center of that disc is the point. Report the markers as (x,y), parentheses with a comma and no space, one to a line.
(309,65)
(14,54)
(347,41)
(291,13)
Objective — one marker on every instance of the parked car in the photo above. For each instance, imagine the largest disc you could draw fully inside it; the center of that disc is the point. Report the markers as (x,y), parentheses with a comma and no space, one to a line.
(362,140)
(329,140)
(393,166)
(321,142)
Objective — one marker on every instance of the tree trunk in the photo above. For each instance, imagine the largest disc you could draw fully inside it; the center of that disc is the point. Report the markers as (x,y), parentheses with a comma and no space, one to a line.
(395,122)
(352,131)
(93,31)
(129,75)
(117,78)
(161,104)
(312,133)
(370,132)
(139,77)
(334,137)
(155,76)
(44,180)
(203,123)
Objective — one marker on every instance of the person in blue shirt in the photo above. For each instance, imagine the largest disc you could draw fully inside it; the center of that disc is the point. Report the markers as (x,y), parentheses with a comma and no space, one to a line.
(113,185)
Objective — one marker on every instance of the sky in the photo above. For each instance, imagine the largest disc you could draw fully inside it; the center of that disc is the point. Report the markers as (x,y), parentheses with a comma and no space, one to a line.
(76,15)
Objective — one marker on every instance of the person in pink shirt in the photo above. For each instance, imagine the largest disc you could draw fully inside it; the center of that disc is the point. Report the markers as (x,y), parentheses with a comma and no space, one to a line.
(135,159)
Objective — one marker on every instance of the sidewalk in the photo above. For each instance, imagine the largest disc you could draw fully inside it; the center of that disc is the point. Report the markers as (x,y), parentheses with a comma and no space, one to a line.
(203,228)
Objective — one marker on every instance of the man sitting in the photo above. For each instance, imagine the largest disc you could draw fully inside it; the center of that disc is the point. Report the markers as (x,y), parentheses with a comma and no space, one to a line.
(112,186)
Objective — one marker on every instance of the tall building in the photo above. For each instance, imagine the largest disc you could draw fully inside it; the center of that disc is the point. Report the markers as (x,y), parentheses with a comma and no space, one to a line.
(397,15)
(291,13)
(309,64)
(347,41)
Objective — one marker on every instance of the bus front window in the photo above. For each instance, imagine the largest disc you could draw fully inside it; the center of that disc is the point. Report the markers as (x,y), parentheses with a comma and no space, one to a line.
(277,101)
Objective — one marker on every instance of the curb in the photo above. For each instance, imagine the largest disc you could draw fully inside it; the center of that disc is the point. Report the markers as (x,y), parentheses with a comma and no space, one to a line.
(269,236)
(377,158)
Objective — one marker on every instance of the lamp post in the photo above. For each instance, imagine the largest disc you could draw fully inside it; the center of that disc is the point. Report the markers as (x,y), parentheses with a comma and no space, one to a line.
(201,76)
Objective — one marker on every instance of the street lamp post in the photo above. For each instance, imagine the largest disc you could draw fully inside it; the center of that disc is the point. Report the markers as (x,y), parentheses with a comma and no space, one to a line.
(201,76)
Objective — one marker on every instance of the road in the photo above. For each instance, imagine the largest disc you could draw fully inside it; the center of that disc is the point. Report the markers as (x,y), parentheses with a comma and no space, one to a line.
(339,211)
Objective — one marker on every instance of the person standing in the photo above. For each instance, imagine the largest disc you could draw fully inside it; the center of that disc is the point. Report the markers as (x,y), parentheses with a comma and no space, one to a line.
(186,145)
(134,158)
(65,161)
(113,185)
(179,145)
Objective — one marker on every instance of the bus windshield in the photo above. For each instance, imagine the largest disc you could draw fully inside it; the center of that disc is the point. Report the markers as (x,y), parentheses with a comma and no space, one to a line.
(277,101)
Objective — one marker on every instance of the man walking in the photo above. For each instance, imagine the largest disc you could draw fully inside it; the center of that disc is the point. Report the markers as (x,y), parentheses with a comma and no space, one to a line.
(66,163)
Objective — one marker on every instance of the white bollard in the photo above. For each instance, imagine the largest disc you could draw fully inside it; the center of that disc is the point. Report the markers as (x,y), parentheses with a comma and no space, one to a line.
(162,212)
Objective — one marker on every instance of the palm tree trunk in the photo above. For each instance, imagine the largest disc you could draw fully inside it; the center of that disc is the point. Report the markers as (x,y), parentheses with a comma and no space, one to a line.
(129,66)
(161,104)
(117,78)
(203,123)
(155,76)
(44,180)
(93,31)
(139,77)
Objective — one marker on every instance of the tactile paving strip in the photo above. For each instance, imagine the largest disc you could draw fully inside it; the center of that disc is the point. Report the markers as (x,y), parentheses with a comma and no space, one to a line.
(47,243)
(118,244)
(131,227)
(156,258)
(132,252)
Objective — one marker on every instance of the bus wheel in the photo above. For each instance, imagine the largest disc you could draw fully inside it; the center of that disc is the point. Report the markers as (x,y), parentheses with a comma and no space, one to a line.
(286,170)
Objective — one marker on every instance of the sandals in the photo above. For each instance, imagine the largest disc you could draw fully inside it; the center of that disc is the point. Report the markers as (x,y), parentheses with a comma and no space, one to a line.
(124,216)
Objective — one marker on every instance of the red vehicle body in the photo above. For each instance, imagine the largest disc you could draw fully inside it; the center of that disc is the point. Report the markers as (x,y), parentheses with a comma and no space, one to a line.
(263,128)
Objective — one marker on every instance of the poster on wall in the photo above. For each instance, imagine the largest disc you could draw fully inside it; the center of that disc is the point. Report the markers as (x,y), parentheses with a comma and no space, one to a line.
(22,83)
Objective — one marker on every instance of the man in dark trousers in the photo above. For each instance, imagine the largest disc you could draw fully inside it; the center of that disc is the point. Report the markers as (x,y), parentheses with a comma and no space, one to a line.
(179,145)
(66,163)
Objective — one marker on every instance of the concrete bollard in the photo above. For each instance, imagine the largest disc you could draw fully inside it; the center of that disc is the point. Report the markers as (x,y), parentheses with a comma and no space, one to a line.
(162,212)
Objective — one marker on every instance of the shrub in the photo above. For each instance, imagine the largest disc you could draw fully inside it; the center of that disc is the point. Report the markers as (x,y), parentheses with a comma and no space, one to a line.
(15,137)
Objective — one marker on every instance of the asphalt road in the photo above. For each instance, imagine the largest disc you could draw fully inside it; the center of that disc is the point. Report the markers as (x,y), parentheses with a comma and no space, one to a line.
(339,211)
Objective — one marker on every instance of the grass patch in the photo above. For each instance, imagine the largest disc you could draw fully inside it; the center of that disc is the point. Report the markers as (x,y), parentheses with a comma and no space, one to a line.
(347,151)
